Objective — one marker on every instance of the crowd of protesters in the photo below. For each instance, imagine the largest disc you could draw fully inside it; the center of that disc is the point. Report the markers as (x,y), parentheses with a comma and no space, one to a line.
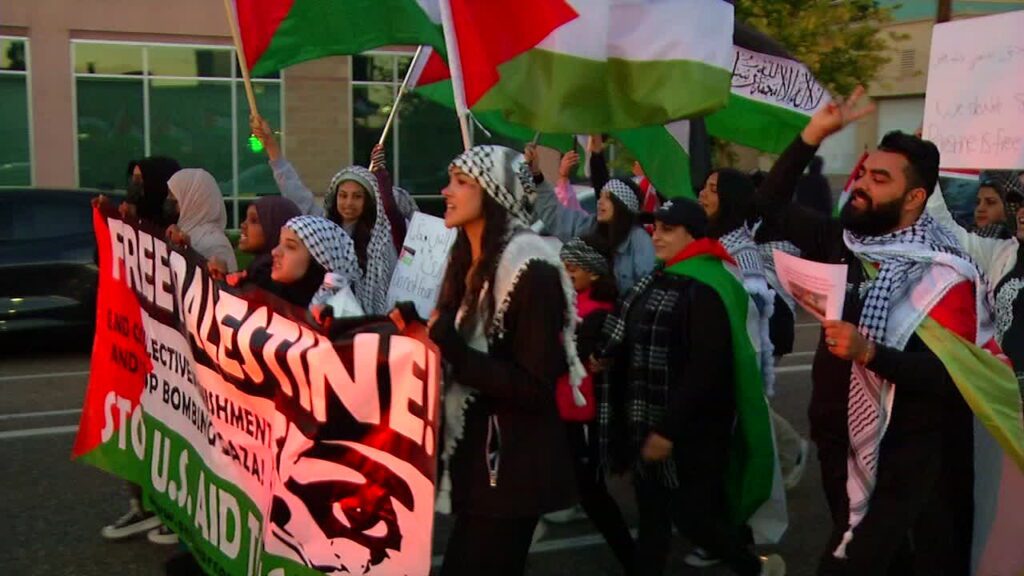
(647,345)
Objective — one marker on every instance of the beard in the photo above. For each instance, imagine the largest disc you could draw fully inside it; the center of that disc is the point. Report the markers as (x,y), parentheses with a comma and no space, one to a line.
(873,220)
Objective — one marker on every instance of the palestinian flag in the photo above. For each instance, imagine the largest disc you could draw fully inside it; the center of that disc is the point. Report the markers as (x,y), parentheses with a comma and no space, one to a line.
(754,485)
(772,97)
(278,33)
(430,79)
(664,154)
(605,65)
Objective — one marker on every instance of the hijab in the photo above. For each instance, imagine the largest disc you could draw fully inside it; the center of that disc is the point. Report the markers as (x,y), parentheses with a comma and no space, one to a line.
(201,214)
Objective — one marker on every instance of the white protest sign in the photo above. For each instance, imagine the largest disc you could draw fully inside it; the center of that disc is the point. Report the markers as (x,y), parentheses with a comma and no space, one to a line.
(974,106)
(421,264)
(818,288)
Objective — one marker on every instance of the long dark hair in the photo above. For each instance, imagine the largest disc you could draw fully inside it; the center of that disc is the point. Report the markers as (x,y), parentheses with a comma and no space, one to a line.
(364,226)
(623,221)
(735,202)
(454,289)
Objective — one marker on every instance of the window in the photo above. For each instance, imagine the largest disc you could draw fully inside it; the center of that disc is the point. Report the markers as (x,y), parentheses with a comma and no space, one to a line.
(183,101)
(15,132)
(425,135)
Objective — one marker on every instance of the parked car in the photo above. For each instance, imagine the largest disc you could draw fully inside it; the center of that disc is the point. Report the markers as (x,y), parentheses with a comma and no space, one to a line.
(48,266)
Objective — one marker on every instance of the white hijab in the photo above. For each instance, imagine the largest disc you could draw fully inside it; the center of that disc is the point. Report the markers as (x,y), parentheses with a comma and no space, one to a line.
(202,215)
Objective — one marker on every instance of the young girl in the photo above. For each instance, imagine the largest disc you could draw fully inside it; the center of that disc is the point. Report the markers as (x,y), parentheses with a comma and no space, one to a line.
(357,202)
(505,329)
(315,255)
(260,234)
(596,293)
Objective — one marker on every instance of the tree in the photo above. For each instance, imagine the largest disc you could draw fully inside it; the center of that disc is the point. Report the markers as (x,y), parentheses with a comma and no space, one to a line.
(838,40)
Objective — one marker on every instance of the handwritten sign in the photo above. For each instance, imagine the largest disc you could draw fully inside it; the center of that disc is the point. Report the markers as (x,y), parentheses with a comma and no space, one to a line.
(777,81)
(421,263)
(974,107)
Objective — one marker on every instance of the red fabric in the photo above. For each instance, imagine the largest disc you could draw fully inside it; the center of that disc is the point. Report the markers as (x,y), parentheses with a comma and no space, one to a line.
(703,246)
(957,311)
(570,412)
(119,371)
(492,32)
(435,70)
(856,173)
(650,201)
(258,21)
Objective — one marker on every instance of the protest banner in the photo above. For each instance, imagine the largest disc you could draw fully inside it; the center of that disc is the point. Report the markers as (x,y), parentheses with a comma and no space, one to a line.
(974,105)
(421,264)
(267,446)
(818,288)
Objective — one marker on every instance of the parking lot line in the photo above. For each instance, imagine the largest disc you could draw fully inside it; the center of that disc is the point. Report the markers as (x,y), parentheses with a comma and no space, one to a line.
(31,432)
(45,375)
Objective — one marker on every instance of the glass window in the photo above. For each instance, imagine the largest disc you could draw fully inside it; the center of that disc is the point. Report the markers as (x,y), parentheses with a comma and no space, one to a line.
(13,55)
(111,130)
(255,178)
(188,62)
(370,107)
(185,102)
(373,68)
(428,141)
(16,152)
(95,58)
(190,121)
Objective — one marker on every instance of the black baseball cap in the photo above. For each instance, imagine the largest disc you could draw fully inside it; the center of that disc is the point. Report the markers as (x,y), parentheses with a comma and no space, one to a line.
(681,212)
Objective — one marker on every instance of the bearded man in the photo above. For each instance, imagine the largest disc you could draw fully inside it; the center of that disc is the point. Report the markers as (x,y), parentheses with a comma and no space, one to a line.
(894,435)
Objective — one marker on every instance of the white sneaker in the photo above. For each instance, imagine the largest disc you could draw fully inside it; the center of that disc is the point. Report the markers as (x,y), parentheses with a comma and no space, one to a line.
(135,521)
(797,473)
(163,536)
(701,558)
(773,565)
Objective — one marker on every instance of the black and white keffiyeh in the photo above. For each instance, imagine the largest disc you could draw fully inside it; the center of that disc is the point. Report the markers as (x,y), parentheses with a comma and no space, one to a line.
(917,267)
(624,193)
(332,248)
(380,253)
(739,243)
(504,176)
(579,253)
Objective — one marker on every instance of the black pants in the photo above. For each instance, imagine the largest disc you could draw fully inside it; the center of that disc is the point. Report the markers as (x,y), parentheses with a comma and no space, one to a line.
(698,509)
(488,545)
(919,520)
(599,505)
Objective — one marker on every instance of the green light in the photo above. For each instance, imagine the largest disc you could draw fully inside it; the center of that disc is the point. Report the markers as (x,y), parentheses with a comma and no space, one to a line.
(254,144)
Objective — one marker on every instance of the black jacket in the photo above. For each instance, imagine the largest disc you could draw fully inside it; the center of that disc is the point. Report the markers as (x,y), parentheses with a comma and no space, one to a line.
(515,382)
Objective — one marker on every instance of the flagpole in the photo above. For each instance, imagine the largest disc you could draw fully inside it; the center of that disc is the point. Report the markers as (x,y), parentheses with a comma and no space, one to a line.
(451,43)
(243,63)
(401,92)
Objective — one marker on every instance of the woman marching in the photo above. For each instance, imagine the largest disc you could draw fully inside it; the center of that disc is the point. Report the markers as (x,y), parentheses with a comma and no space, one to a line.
(694,406)
(505,327)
